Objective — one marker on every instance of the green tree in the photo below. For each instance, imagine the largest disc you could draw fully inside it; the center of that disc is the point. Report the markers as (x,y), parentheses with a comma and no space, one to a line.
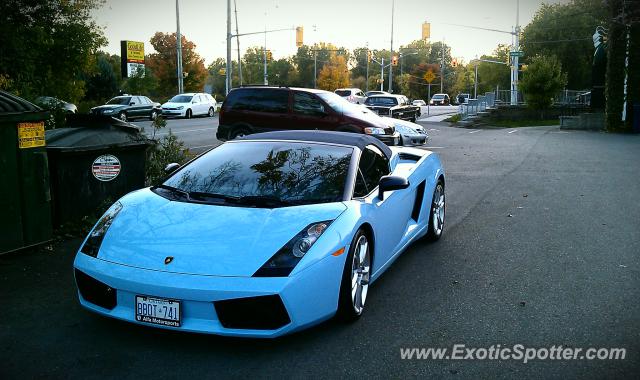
(103,83)
(45,46)
(142,82)
(334,74)
(494,75)
(565,30)
(163,64)
(541,81)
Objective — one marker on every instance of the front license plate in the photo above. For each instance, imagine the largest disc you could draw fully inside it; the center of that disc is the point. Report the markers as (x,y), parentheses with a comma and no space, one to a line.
(158,311)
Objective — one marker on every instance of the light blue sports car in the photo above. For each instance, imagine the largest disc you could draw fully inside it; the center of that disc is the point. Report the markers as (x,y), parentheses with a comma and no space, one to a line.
(262,236)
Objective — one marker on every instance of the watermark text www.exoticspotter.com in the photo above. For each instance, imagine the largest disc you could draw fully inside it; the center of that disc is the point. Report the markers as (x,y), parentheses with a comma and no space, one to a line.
(516,352)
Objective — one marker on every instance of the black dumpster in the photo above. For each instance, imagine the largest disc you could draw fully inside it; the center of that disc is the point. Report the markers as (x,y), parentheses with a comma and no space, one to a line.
(93,162)
(25,199)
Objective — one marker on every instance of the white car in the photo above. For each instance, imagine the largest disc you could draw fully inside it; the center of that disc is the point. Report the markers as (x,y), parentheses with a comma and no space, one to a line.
(419,102)
(353,95)
(411,134)
(190,104)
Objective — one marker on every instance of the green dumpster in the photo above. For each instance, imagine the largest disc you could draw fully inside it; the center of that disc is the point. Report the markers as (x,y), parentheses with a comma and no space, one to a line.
(92,163)
(25,199)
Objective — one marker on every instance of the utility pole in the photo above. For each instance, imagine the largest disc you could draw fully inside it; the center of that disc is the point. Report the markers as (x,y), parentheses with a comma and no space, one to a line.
(393,2)
(515,58)
(382,74)
(400,58)
(235,9)
(367,84)
(442,69)
(227,83)
(475,84)
(264,55)
(179,50)
(315,68)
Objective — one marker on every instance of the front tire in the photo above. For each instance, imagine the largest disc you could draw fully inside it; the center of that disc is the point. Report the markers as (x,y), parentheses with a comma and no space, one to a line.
(188,114)
(211,112)
(153,115)
(238,132)
(355,278)
(436,213)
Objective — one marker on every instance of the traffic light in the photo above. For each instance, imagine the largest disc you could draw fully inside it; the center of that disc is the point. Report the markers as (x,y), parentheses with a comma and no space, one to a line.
(394,60)
(454,62)
(269,56)
(299,32)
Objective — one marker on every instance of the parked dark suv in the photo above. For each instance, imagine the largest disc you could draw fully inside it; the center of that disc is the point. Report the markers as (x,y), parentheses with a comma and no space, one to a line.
(249,110)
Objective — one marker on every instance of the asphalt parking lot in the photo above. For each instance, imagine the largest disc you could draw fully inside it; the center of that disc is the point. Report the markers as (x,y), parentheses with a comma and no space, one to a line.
(540,248)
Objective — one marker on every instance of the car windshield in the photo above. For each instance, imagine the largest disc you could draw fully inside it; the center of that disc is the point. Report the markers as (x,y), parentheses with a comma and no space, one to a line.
(181,99)
(338,103)
(438,97)
(381,101)
(343,92)
(286,173)
(121,100)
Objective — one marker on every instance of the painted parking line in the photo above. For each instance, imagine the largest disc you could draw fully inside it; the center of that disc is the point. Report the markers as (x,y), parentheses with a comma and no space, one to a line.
(477,130)
(515,130)
(184,131)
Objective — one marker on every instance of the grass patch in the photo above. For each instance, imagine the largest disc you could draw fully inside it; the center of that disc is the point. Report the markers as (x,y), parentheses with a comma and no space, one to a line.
(523,123)
(454,119)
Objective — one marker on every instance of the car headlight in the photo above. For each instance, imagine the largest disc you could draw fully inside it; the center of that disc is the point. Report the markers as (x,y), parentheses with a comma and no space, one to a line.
(108,111)
(179,108)
(287,257)
(92,245)
(374,131)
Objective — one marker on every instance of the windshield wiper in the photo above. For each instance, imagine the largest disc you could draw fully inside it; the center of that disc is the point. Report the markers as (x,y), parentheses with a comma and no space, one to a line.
(264,201)
(173,190)
(202,196)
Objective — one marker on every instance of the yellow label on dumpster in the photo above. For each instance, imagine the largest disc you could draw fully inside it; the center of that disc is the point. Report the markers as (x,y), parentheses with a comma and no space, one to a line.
(30,135)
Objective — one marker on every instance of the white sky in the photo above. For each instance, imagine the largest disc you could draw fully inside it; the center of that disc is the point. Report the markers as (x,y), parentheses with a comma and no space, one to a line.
(347,23)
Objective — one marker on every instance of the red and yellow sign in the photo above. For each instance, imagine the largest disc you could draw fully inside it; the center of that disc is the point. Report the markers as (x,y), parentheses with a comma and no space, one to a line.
(135,51)
(30,135)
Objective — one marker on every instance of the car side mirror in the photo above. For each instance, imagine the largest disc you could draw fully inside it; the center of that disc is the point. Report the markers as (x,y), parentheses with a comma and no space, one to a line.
(390,183)
(172,167)
(132,104)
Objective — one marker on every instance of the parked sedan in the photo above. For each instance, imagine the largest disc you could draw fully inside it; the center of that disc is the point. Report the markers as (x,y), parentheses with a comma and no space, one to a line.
(411,134)
(49,103)
(395,106)
(262,236)
(419,103)
(129,107)
(189,105)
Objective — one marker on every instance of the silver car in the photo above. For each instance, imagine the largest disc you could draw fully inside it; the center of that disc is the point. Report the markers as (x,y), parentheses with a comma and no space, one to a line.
(353,95)
(411,134)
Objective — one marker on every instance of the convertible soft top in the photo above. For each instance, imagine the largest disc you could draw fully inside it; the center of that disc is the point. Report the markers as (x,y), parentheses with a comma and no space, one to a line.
(343,138)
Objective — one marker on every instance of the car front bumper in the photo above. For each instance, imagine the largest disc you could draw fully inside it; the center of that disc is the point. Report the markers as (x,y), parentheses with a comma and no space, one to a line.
(392,140)
(309,297)
(173,113)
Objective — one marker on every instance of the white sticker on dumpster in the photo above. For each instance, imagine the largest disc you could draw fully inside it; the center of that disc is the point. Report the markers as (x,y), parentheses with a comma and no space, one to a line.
(106,167)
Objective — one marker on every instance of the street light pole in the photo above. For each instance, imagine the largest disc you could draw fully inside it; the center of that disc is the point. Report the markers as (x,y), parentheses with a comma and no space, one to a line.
(367,84)
(442,69)
(315,67)
(382,74)
(235,8)
(227,83)
(179,50)
(264,54)
(391,51)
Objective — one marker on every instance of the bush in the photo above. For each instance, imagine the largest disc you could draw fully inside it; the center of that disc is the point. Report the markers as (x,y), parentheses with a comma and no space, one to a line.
(168,150)
(541,81)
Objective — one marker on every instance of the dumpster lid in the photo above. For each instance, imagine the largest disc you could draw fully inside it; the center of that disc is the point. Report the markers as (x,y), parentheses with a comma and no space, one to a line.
(91,132)
(10,104)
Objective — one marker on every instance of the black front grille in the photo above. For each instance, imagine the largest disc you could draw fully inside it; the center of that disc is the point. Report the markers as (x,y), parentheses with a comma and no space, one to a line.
(256,313)
(95,291)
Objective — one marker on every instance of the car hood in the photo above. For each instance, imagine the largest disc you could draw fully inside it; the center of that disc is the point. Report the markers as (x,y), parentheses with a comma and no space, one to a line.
(203,239)
(365,114)
(109,107)
(173,105)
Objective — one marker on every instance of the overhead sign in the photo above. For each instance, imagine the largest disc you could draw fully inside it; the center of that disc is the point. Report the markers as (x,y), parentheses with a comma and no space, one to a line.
(429,76)
(30,135)
(131,58)
(426,31)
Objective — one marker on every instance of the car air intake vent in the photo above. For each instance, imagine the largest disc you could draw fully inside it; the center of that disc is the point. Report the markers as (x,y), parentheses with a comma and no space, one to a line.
(417,204)
(256,313)
(409,157)
(95,291)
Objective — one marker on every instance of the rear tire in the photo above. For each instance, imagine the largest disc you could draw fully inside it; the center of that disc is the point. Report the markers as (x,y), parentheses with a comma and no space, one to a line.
(355,278)
(122,116)
(153,115)
(436,213)
(238,132)
(211,112)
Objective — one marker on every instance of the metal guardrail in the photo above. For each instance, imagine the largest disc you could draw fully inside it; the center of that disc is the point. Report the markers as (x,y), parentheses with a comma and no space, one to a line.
(503,97)
(474,106)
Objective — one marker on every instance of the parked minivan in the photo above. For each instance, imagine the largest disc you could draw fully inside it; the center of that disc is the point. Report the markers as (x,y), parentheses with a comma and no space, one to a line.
(249,110)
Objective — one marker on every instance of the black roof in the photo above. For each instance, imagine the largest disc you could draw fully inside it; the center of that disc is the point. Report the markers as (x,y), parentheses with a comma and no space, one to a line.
(343,138)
